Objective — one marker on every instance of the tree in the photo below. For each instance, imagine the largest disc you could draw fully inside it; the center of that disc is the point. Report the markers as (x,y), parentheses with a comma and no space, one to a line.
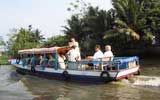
(89,29)
(2,41)
(138,16)
(24,39)
(152,12)
(130,24)
(58,40)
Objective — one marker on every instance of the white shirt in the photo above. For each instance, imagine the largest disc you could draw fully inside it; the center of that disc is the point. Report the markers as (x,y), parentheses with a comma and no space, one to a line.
(108,54)
(76,46)
(73,55)
(98,54)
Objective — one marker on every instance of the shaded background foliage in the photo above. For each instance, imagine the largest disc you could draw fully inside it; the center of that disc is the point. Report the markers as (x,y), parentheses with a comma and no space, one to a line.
(58,40)
(24,39)
(130,24)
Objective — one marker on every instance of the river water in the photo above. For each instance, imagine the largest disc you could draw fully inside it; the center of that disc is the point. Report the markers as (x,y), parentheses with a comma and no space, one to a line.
(14,86)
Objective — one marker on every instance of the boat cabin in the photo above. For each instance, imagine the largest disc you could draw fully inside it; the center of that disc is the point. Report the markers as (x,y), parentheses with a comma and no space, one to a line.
(46,62)
(48,58)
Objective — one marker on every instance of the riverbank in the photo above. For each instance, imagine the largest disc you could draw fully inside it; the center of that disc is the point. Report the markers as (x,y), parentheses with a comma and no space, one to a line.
(151,52)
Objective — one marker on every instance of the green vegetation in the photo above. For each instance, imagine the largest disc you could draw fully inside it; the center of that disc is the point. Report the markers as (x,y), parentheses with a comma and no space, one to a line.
(4,59)
(56,41)
(24,39)
(2,43)
(130,24)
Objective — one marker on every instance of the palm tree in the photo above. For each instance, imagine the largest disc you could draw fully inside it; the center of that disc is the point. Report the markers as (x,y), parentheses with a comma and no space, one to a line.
(74,27)
(37,36)
(129,12)
(138,15)
(136,20)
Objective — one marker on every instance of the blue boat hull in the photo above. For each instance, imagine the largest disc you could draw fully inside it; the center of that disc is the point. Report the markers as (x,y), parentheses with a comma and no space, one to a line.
(60,76)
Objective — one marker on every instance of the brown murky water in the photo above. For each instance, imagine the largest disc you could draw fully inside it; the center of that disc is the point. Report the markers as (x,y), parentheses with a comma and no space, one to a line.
(18,87)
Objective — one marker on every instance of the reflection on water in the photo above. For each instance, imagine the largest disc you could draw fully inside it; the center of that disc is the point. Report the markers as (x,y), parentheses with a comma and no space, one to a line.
(16,87)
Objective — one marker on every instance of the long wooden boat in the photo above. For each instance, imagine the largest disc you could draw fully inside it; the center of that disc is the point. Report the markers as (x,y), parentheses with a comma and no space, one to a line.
(80,71)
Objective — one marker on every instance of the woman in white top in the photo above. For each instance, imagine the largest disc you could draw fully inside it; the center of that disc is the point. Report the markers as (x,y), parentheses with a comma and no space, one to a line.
(108,55)
(73,55)
(76,45)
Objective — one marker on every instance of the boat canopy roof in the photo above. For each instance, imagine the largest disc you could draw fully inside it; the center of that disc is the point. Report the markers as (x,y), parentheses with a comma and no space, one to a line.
(39,50)
(60,50)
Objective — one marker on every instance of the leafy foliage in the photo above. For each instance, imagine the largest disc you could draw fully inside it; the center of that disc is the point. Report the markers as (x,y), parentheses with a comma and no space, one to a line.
(2,42)
(89,29)
(137,16)
(56,41)
(129,24)
(24,39)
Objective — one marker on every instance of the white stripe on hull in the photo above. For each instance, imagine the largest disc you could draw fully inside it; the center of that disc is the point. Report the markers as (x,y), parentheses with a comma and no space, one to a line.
(127,71)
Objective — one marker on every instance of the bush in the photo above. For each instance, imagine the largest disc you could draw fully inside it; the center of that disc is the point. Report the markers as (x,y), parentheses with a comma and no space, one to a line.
(4,59)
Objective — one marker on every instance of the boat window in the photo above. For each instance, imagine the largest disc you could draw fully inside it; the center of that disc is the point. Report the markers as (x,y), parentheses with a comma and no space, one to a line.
(132,64)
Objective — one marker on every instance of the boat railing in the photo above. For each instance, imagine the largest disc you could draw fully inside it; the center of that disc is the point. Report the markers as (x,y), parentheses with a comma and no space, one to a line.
(99,65)
(118,63)
(78,65)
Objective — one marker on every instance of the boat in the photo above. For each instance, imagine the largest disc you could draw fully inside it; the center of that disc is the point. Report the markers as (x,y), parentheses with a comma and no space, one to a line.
(81,71)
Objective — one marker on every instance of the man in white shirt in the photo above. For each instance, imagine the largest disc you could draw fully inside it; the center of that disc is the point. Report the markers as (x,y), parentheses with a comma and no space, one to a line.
(97,56)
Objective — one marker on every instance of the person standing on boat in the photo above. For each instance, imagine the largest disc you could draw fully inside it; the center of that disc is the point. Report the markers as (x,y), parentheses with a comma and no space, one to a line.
(108,55)
(76,45)
(73,56)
